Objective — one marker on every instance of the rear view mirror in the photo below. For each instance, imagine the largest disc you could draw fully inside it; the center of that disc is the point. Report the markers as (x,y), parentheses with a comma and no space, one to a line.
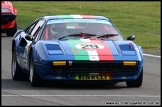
(28,37)
(131,37)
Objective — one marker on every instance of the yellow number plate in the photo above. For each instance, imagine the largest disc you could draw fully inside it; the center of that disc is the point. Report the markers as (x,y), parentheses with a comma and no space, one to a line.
(91,77)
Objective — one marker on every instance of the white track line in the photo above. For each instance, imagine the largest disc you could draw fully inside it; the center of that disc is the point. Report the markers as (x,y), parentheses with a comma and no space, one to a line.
(81,95)
(152,55)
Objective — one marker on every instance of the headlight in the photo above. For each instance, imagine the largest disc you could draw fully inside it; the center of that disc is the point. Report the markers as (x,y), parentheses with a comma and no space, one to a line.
(5,10)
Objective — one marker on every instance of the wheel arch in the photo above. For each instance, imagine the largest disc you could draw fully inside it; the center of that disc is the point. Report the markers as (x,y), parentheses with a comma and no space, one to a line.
(13,44)
(29,57)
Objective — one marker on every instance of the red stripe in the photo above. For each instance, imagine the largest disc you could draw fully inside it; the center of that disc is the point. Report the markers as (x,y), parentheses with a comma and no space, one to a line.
(104,54)
(88,17)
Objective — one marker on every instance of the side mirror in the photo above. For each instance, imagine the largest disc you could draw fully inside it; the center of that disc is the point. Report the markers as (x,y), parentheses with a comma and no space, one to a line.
(28,37)
(131,37)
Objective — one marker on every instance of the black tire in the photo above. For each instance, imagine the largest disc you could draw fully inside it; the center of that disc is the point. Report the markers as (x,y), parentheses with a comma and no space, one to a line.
(112,83)
(137,82)
(34,77)
(16,72)
(11,32)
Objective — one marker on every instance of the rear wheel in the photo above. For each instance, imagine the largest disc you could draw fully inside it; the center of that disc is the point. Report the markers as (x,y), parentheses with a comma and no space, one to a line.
(16,72)
(137,82)
(10,32)
(34,77)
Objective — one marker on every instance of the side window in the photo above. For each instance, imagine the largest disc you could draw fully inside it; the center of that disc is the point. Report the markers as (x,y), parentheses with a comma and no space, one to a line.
(34,28)
(30,28)
(37,27)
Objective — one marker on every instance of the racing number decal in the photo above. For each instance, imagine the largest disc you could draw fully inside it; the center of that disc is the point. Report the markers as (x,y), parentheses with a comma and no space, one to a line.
(89,46)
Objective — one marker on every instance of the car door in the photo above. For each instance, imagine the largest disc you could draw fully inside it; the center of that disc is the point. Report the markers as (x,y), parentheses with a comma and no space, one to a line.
(24,44)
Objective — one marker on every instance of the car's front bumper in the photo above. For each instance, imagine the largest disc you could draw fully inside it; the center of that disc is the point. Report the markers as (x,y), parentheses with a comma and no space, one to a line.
(48,73)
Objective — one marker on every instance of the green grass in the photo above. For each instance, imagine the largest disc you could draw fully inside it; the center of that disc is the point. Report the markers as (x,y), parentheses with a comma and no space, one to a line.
(141,19)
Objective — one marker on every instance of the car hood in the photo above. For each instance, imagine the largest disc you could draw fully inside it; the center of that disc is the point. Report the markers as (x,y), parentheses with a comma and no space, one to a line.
(88,49)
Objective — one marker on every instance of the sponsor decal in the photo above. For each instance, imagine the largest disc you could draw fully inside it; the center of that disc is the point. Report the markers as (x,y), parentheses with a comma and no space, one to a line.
(89,46)
(92,77)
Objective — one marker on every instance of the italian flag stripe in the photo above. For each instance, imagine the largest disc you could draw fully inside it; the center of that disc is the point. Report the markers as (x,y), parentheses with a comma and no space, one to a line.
(105,54)
(93,55)
(76,16)
(65,16)
(106,51)
(88,16)
(102,54)
(79,54)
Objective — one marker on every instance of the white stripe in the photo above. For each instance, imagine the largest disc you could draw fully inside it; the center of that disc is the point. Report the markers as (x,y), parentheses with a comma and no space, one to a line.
(93,56)
(92,52)
(82,95)
(76,16)
(152,55)
(85,40)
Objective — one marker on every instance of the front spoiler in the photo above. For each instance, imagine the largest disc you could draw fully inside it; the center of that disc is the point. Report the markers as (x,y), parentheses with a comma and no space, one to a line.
(45,72)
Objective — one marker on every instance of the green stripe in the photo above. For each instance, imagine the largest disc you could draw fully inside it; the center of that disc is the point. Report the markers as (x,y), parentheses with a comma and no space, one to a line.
(65,16)
(79,54)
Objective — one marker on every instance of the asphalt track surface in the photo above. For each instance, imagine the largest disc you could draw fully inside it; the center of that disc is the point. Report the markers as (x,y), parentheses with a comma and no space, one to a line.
(21,93)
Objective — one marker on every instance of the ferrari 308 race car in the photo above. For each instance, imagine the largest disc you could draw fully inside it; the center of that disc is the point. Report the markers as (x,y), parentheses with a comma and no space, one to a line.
(75,48)
(8,18)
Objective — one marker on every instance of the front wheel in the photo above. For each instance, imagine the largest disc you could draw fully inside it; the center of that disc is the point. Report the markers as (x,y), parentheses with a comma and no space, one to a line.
(34,77)
(16,72)
(137,82)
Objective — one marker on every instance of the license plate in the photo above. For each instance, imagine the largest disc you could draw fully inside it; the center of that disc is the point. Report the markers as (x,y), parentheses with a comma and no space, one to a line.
(92,77)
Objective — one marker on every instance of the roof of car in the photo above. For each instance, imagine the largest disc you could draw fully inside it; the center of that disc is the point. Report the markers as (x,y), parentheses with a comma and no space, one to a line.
(75,17)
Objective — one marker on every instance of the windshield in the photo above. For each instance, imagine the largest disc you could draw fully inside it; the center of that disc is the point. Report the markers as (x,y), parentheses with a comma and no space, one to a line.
(80,28)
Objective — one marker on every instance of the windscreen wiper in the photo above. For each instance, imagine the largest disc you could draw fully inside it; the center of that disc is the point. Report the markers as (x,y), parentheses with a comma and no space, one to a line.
(71,35)
(81,34)
(106,35)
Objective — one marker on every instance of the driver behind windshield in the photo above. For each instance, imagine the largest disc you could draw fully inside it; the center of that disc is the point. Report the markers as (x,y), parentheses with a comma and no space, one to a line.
(58,30)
